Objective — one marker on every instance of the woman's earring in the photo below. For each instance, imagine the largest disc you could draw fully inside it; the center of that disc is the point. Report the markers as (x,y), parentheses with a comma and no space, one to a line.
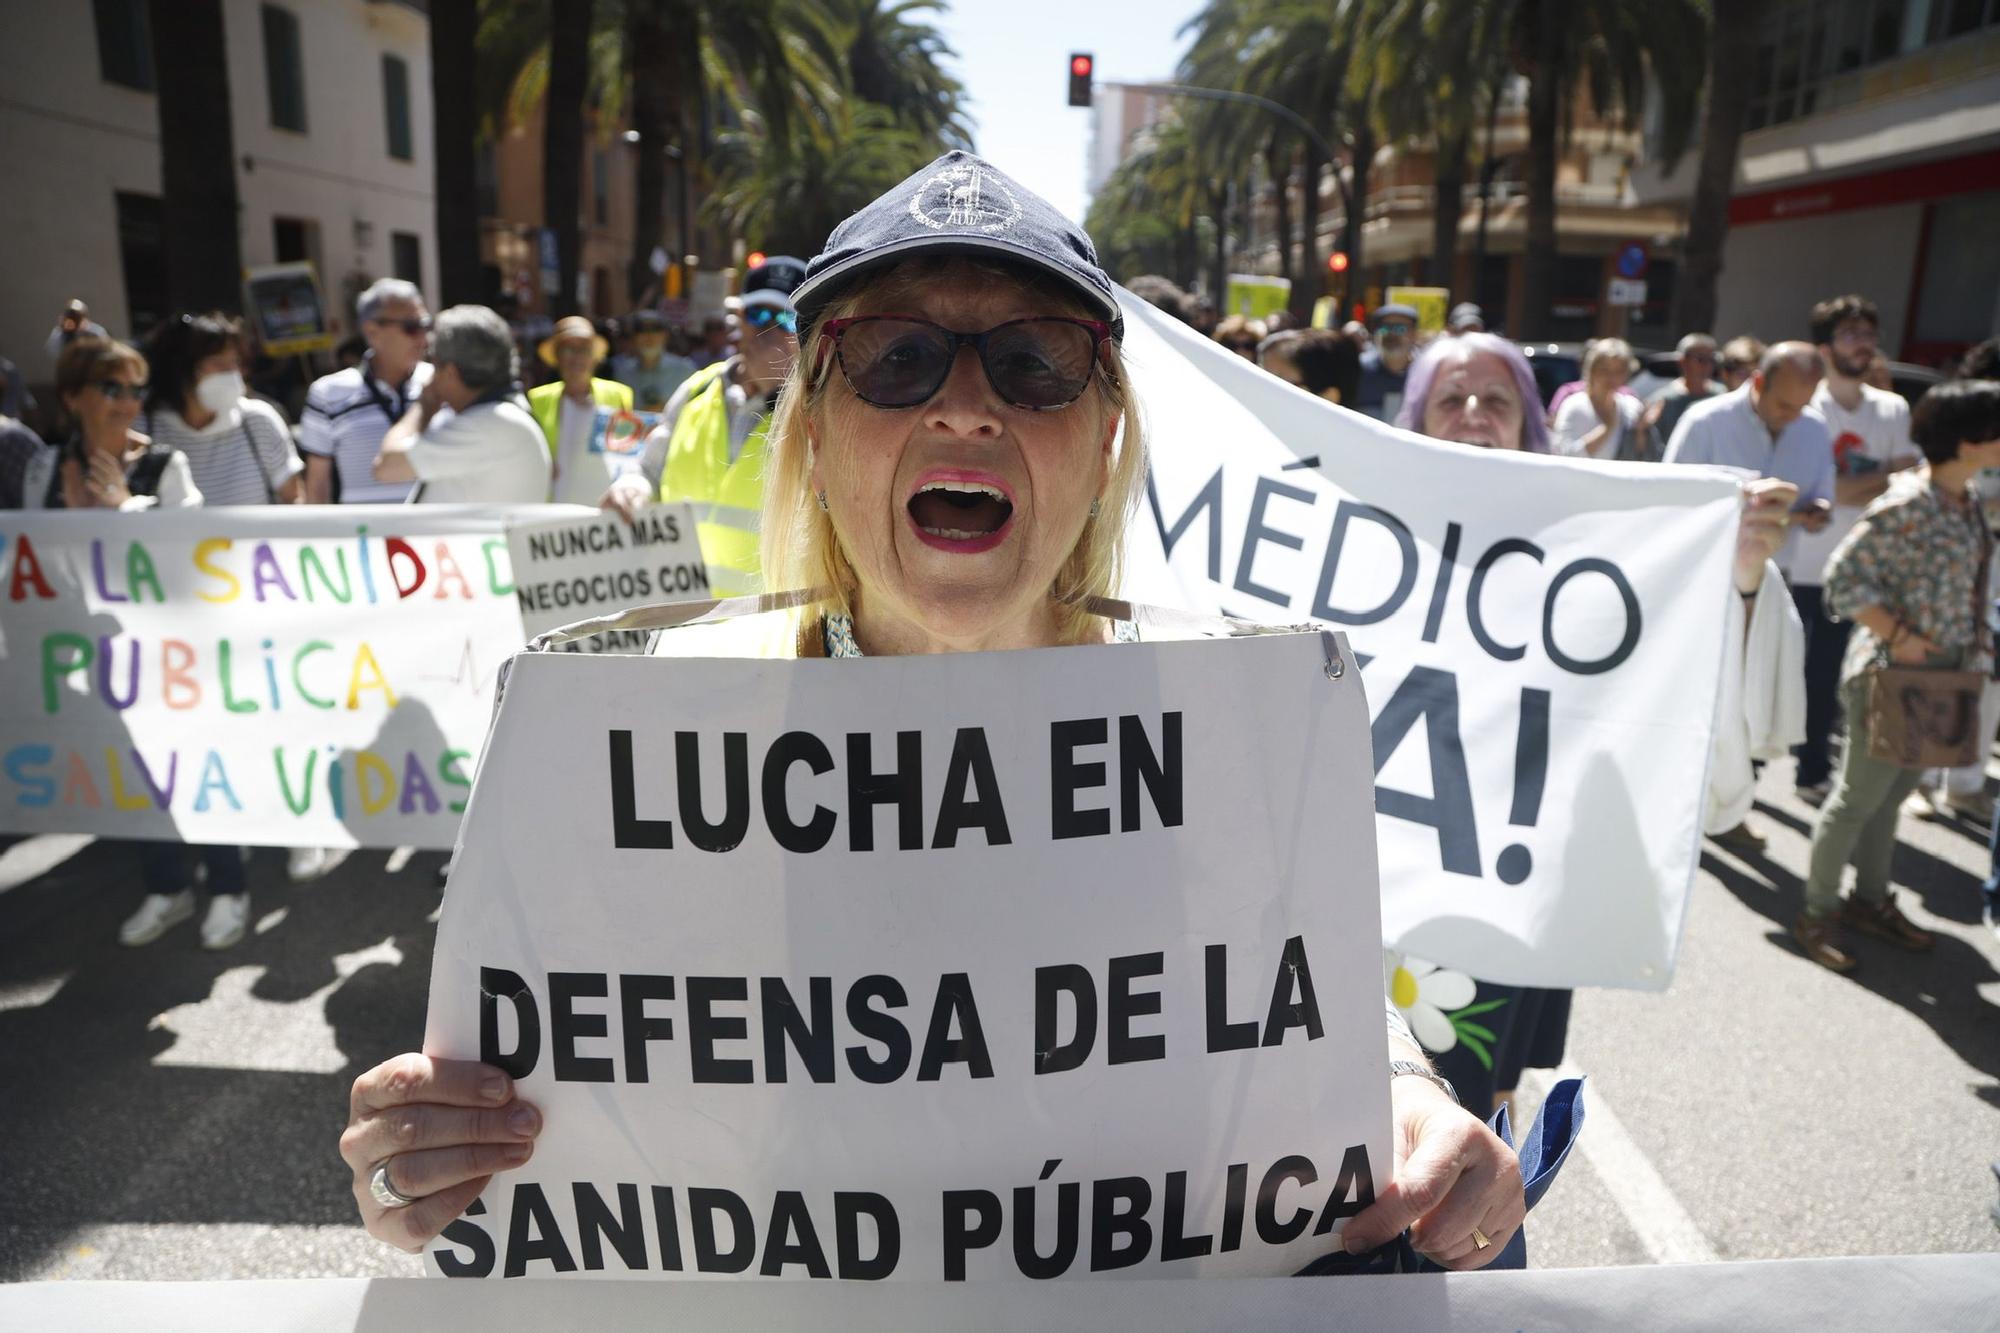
(1093,506)
(821,497)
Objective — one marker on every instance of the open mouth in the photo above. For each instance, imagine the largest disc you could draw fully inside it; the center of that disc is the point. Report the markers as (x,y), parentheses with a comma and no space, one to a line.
(960,514)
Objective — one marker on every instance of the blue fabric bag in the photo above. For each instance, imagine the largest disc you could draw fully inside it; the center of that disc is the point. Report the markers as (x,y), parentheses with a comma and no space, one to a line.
(1542,1156)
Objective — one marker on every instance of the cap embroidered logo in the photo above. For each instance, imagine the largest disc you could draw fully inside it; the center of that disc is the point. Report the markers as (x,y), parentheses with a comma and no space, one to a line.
(965,198)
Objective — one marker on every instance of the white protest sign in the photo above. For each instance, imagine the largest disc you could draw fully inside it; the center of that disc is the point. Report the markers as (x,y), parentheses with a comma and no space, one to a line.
(594,564)
(263,675)
(1542,641)
(969,966)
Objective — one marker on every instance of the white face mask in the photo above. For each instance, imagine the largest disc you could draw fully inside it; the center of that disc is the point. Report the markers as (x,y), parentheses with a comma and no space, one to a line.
(221,391)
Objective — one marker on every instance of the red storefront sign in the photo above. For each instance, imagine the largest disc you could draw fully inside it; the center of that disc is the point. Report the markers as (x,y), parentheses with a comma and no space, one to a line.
(1973,173)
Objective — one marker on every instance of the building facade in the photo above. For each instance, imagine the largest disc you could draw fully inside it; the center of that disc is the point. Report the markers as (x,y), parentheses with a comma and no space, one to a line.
(330,111)
(1871,164)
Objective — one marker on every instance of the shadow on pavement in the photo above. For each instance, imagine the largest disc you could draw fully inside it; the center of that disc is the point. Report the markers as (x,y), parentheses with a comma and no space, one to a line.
(1941,987)
(104,1121)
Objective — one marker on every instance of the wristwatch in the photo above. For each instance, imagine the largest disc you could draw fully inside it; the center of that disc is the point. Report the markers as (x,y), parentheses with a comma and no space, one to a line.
(1400,1067)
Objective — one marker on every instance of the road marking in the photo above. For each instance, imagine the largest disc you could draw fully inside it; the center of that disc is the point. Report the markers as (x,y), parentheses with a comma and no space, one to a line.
(1664,1228)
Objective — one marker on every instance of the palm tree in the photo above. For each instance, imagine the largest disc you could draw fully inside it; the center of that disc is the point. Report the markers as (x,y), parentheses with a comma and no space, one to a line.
(1297,53)
(1731,55)
(562,130)
(1145,218)
(896,61)
(786,194)
(454,145)
(197,159)
(1436,65)
(690,58)
(1612,50)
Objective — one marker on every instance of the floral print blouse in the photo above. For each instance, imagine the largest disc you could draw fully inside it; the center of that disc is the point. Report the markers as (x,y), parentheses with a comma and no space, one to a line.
(1920,559)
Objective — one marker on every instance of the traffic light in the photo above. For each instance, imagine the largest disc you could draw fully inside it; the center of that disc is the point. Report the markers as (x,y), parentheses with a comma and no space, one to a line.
(1080,65)
(1337,261)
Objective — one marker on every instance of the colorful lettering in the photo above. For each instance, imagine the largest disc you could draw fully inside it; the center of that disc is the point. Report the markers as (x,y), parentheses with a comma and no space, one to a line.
(264,572)
(396,546)
(139,570)
(299,804)
(229,699)
(364,657)
(213,776)
(368,765)
(53,669)
(310,565)
(298,681)
(448,570)
(232,585)
(448,769)
(38,788)
(177,683)
(27,573)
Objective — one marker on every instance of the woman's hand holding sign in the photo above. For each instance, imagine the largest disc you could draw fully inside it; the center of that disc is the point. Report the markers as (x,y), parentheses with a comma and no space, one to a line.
(437,1130)
(1456,1183)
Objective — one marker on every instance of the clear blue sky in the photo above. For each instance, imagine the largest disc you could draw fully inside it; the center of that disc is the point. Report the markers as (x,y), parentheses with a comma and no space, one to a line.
(1013,56)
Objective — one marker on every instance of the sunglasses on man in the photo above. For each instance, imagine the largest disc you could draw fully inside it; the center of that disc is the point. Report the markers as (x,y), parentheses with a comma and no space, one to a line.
(761,317)
(1040,364)
(410,326)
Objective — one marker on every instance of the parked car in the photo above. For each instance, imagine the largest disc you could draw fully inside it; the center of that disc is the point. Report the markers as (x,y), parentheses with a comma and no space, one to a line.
(1556,364)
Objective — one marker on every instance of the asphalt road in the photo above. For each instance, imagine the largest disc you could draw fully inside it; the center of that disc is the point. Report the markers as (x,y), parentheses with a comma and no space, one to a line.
(172,1113)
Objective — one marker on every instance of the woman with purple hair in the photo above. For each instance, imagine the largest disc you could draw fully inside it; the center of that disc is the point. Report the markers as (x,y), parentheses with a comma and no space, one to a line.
(1475,388)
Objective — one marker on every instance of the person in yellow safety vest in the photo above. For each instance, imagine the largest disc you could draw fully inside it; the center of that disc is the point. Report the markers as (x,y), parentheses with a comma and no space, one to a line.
(708,449)
(567,410)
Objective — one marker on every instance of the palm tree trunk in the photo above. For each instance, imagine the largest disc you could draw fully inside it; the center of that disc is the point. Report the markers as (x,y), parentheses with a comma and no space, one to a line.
(562,140)
(1488,166)
(1450,207)
(1357,207)
(1218,208)
(1278,161)
(1309,272)
(651,53)
(454,130)
(1544,130)
(1731,54)
(197,157)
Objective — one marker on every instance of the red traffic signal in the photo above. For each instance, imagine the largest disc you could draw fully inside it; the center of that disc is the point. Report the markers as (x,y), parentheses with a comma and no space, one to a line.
(1081,64)
(1337,261)
(753,259)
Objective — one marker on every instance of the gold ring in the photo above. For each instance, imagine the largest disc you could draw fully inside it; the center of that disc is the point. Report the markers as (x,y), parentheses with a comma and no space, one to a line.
(1480,1240)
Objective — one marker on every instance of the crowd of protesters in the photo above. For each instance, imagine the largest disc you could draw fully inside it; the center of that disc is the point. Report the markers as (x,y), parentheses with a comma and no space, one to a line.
(421,408)
(441,409)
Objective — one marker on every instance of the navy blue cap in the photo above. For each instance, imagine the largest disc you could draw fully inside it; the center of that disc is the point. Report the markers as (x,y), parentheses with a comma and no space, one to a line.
(959,204)
(779,273)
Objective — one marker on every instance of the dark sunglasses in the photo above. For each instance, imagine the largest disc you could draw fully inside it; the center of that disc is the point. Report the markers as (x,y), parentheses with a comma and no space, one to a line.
(1242,345)
(119,389)
(761,317)
(410,326)
(1040,364)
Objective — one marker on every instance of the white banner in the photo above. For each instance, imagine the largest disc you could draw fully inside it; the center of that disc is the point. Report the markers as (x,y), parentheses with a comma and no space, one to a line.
(1542,640)
(268,675)
(1922,1291)
(597,564)
(934,968)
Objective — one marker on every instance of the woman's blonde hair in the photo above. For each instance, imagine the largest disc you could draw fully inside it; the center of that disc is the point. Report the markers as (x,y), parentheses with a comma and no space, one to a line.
(800,547)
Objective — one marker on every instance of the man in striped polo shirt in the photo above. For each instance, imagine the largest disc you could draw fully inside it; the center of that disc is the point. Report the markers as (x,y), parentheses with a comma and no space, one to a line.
(348,412)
